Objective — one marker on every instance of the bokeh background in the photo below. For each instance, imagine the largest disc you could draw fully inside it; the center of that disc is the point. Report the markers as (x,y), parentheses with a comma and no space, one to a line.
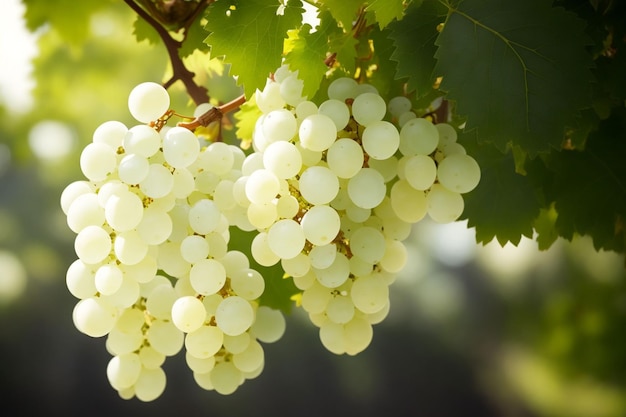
(473,330)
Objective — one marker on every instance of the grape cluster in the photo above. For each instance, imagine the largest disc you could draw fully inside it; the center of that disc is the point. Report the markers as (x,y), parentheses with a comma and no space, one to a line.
(330,192)
(154,272)
(334,189)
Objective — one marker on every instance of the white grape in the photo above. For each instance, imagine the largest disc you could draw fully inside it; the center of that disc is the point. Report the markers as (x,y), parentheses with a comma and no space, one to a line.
(459,173)
(380,139)
(92,244)
(409,204)
(283,159)
(123,211)
(317,132)
(345,158)
(188,313)
(368,243)
(207,276)
(150,384)
(204,342)
(97,161)
(108,279)
(444,206)
(368,108)
(133,169)
(123,370)
(399,105)
(110,133)
(158,183)
(234,315)
(367,188)
(321,257)
(262,186)
(165,337)
(369,293)
(142,140)
(420,171)
(269,325)
(148,101)
(320,224)
(318,185)
(180,147)
(337,110)
(79,279)
(342,88)
(279,125)
(85,211)
(94,316)
(418,137)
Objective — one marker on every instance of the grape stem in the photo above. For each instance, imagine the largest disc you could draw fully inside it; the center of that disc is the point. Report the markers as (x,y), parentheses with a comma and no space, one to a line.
(197,93)
(214,114)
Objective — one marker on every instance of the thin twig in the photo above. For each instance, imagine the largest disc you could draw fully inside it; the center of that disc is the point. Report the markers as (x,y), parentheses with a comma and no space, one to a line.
(214,114)
(197,93)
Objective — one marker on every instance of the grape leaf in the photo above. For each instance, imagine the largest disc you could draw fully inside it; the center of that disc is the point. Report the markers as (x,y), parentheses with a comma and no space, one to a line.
(250,34)
(344,11)
(414,41)
(308,51)
(590,186)
(504,205)
(545,228)
(71,19)
(144,32)
(386,11)
(195,35)
(278,290)
(518,69)
(246,117)
(307,55)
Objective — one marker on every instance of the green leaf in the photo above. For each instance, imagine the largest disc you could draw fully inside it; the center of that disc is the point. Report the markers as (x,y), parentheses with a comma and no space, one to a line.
(504,205)
(278,289)
(344,11)
(194,39)
(144,32)
(71,19)
(518,70)
(545,228)
(308,52)
(250,34)
(246,117)
(590,186)
(414,41)
(386,10)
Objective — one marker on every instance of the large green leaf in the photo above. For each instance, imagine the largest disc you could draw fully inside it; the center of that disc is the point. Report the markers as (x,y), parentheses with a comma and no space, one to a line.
(385,11)
(309,50)
(250,34)
(344,11)
(518,69)
(504,205)
(590,186)
(71,19)
(414,40)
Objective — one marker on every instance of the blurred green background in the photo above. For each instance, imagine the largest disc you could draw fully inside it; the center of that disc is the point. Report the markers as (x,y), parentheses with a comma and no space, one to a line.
(473,330)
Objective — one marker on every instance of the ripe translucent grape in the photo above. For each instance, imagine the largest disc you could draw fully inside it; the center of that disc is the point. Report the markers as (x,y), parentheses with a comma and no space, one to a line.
(286,238)
(367,188)
(188,313)
(320,224)
(345,158)
(279,125)
(368,108)
(420,171)
(459,172)
(148,101)
(180,147)
(444,206)
(234,315)
(317,132)
(342,88)
(97,161)
(337,110)
(318,185)
(418,137)
(92,244)
(283,159)
(380,139)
